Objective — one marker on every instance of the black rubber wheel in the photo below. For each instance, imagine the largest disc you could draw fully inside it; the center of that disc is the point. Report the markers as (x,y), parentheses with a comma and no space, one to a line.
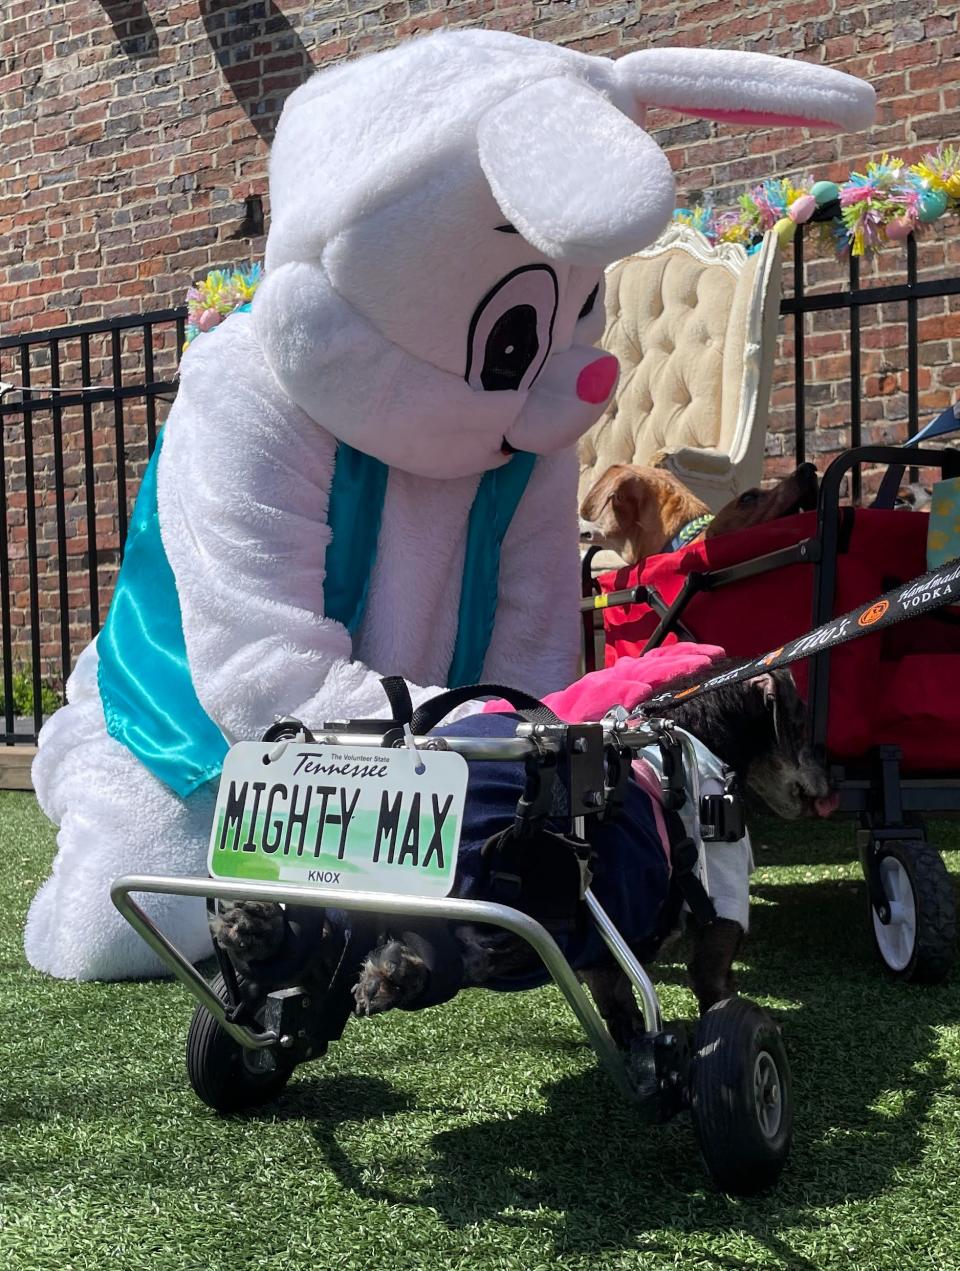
(221,1071)
(918,942)
(740,1097)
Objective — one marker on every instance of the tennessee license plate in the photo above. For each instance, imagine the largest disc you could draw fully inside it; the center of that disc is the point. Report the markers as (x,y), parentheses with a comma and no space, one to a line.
(322,816)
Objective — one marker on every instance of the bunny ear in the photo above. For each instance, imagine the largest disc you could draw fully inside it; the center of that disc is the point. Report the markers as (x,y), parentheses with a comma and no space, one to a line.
(573,175)
(747,88)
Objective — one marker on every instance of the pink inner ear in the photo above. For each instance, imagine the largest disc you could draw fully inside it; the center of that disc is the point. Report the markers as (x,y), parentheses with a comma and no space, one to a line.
(754,117)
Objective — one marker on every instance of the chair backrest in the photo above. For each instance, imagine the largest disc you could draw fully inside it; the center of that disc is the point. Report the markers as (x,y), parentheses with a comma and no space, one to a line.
(694,327)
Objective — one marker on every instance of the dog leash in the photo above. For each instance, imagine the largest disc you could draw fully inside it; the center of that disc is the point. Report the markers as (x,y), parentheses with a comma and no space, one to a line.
(929,591)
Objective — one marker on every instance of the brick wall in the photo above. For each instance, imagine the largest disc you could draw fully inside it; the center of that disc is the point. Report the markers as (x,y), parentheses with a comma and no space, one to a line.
(133,136)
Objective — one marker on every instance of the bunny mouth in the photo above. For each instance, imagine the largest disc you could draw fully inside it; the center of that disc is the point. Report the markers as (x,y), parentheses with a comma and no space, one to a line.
(506,448)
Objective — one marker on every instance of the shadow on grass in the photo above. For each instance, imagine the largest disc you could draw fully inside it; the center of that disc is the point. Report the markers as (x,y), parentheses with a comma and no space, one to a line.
(327,1104)
(865,1072)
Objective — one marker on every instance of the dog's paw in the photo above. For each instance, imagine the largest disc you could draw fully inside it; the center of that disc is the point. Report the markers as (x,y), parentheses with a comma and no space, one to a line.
(251,930)
(391,976)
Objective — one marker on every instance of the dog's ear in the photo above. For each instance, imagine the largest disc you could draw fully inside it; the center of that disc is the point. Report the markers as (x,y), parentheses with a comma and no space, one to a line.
(601,493)
(635,509)
(765,683)
(779,692)
(618,489)
(651,507)
(628,493)
(768,686)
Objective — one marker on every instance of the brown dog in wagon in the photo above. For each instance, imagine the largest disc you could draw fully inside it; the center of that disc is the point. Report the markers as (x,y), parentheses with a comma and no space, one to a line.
(639,512)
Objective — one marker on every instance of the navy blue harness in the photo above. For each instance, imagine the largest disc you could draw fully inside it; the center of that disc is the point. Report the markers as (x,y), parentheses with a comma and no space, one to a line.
(630,872)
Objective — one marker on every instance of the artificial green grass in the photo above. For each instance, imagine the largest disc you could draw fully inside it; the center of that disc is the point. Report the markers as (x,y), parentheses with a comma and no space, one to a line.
(480,1134)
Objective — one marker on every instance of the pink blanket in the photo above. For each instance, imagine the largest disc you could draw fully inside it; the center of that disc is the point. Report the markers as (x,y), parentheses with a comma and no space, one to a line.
(627,683)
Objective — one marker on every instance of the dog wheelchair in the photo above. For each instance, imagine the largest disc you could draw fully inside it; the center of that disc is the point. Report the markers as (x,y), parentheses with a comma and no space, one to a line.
(255,1023)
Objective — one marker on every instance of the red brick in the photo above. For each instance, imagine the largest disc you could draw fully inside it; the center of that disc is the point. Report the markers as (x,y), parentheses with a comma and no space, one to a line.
(105,221)
(939,327)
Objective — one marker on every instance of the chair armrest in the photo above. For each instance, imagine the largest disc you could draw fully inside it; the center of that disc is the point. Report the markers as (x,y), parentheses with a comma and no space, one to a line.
(708,462)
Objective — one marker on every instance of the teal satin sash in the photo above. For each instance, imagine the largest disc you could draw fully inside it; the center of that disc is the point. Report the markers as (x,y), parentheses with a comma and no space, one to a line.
(493,507)
(149,701)
(148,697)
(354,515)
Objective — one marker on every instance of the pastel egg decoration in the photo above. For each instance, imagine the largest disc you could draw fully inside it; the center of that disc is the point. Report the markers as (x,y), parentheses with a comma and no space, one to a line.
(785,230)
(825,192)
(932,204)
(208,320)
(801,209)
(900,228)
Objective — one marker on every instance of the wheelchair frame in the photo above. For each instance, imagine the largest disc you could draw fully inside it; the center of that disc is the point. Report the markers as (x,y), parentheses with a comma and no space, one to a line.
(585,745)
(735,1082)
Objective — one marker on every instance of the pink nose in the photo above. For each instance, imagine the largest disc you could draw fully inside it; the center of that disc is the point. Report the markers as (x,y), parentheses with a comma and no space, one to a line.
(595,382)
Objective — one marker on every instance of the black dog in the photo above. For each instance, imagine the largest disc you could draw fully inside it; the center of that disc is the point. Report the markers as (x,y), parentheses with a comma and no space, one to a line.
(757,728)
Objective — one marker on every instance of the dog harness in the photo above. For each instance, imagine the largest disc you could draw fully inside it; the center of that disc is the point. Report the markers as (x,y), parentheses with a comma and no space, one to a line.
(630,870)
(724,872)
(149,701)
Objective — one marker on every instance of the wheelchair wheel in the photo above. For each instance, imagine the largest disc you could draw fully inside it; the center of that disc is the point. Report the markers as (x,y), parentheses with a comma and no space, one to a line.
(224,1074)
(740,1097)
(917,943)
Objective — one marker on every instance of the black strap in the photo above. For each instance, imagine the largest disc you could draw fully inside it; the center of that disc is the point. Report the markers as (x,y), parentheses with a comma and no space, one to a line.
(889,487)
(543,875)
(398,695)
(684,858)
(431,713)
(337,1006)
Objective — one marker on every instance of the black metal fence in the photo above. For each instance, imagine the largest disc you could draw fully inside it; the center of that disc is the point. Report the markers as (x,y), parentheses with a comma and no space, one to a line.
(887,302)
(78,422)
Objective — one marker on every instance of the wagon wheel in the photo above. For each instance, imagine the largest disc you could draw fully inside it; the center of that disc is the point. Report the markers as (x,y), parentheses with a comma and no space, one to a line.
(740,1097)
(224,1074)
(917,941)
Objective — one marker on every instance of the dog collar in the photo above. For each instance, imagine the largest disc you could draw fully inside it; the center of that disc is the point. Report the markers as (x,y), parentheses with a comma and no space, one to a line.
(690,532)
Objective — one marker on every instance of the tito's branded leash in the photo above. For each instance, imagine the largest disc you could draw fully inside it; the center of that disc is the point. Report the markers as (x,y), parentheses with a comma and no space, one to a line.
(940,586)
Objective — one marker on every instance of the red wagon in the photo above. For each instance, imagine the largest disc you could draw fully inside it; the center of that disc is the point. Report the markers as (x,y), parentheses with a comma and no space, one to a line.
(884,710)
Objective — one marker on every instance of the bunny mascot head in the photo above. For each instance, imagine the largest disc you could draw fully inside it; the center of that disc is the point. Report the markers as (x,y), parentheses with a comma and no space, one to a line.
(433,292)
(373,471)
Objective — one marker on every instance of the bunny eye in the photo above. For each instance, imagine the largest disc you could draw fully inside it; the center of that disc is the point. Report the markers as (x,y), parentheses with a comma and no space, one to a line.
(510,348)
(588,304)
(512,330)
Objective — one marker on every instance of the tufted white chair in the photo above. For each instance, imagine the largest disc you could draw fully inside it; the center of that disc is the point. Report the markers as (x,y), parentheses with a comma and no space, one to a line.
(694,328)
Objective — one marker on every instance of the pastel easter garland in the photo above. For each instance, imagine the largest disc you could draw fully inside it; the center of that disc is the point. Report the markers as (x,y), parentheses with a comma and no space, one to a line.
(885,204)
(219,294)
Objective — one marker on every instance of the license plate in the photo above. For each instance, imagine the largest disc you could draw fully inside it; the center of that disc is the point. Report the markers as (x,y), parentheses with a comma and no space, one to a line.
(323,816)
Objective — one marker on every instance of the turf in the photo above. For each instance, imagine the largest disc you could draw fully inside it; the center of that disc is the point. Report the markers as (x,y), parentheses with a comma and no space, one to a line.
(480,1134)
